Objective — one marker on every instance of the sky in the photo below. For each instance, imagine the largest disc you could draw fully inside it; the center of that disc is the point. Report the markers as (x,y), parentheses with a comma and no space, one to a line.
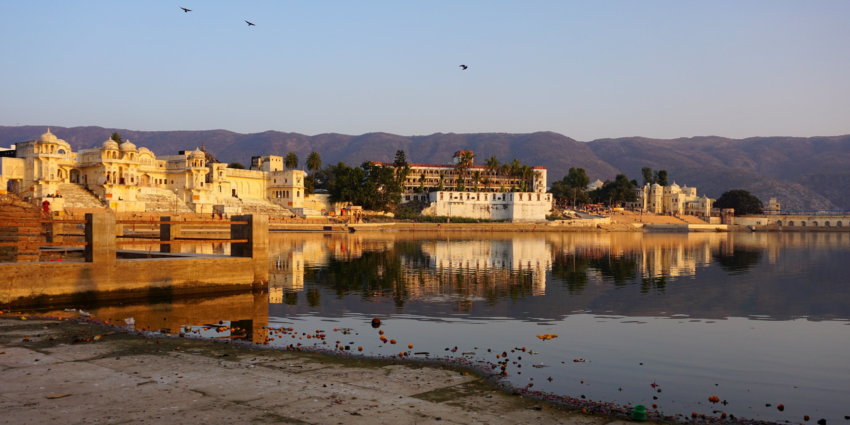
(589,69)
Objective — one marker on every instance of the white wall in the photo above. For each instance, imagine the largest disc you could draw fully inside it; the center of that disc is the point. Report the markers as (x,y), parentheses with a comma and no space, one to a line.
(491,206)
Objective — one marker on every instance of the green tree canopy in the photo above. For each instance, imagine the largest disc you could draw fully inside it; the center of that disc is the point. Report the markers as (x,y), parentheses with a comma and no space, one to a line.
(116,137)
(661,178)
(572,188)
(237,165)
(742,201)
(313,162)
(291,160)
(648,178)
(372,186)
(615,192)
(400,159)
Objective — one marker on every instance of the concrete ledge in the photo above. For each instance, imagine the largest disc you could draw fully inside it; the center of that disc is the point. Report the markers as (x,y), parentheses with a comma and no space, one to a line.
(57,279)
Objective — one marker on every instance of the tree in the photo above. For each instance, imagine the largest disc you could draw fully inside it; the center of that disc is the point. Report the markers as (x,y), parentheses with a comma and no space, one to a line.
(464,162)
(313,162)
(648,178)
(476,178)
(573,187)
(492,164)
(236,165)
(116,137)
(291,160)
(742,201)
(401,167)
(661,178)
(372,186)
(400,159)
(615,192)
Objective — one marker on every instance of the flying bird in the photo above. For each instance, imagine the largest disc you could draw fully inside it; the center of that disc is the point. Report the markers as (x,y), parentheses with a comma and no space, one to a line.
(463,67)
(186,10)
(250,24)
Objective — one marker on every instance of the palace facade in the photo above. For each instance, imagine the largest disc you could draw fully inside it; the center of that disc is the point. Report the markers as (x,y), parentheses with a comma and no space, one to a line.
(124,177)
(672,200)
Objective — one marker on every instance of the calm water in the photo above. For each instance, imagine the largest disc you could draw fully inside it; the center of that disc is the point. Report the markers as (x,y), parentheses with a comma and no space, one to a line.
(754,319)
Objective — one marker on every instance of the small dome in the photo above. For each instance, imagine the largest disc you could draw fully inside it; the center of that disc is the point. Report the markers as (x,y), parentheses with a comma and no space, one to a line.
(127,146)
(197,153)
(145,150)
(674,185)
(109,144)
(48,137)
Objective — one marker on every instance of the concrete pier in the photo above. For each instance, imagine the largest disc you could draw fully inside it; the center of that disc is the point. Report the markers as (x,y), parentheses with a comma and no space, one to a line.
(110,273)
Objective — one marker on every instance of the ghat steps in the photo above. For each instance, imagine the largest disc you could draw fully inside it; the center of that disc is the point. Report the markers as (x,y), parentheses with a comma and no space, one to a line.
(76,196)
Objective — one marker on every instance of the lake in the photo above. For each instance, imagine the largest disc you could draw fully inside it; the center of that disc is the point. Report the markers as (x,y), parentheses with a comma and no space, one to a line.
(758,320)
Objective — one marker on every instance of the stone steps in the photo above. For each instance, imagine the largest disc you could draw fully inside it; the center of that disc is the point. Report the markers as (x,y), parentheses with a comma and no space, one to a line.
(162,201)
(76,196)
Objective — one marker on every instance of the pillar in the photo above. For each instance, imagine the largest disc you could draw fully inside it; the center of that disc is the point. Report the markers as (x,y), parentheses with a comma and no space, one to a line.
(100,238)
(256,231)
(168,232)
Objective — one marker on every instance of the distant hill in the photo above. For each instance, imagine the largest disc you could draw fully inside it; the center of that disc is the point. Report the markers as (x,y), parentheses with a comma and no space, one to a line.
(804,173)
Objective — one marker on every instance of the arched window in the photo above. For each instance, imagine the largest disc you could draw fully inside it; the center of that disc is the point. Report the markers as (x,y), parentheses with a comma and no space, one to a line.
(839,223)
(826,224)
(791,223)
(815,223)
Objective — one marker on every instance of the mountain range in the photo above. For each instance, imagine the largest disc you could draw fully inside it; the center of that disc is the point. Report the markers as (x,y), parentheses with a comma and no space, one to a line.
(803,173)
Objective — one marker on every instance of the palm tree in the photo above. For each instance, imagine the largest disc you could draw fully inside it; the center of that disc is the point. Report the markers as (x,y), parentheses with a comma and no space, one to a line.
(492,164)
(314,162)
(476,178)
(291,160)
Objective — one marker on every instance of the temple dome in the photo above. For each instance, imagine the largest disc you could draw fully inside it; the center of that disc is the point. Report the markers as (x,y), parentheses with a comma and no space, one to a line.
(49,137)
(109,144)
(197,153)
(127,146)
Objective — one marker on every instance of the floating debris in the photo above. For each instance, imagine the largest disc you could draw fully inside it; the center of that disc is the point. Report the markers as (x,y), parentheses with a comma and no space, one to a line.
(546,337)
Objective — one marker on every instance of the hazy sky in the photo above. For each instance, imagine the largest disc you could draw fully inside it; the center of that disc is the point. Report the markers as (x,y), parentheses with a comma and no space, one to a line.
(588,69)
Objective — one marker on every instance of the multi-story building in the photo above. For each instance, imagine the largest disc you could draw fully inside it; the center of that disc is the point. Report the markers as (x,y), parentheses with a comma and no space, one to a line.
(125,177)
(673,200)
(463,189)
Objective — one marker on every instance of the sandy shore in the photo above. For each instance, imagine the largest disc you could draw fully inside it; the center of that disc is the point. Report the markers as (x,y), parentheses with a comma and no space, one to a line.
(69,372)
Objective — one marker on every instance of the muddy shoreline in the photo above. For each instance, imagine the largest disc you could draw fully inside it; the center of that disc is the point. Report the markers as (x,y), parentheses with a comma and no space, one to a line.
(436,390)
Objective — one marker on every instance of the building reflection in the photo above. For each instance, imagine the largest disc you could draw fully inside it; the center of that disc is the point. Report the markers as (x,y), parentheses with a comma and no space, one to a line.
(241,316)
(464,268)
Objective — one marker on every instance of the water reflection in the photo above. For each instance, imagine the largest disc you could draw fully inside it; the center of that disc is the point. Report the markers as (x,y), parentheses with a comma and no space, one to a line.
(754,317)
(668,273)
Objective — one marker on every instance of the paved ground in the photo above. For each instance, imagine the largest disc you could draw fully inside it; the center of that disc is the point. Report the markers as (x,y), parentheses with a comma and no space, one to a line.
(67,372)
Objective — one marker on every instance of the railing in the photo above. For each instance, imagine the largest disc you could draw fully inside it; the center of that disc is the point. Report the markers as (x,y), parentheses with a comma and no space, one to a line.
(100,234)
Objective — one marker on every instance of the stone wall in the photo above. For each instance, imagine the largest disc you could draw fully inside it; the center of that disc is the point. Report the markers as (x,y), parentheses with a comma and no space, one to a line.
(19,224)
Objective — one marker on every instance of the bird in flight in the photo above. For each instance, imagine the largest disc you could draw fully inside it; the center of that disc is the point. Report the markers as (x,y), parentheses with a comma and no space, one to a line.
(250,24)
(186,10)
(463,67)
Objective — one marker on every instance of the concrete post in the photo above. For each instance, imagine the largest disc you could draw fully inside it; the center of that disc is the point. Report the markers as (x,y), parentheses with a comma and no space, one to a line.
(168,232)
(257,247)
(100,238)
(54,231)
